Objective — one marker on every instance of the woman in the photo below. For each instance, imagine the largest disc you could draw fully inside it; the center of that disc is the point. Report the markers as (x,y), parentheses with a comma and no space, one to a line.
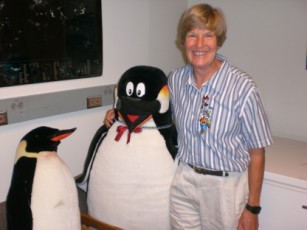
(222,131)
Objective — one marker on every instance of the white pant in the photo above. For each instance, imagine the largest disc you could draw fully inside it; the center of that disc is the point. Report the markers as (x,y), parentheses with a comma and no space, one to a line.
(205,202)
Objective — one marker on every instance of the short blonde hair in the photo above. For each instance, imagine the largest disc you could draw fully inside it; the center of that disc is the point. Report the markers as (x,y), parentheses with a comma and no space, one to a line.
(202,16)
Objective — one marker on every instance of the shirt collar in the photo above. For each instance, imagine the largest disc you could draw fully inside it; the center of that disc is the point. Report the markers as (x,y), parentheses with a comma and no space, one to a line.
(215,81)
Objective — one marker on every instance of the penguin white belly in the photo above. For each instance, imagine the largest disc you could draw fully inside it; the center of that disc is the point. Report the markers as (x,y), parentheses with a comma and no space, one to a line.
(129,183)
(54,201)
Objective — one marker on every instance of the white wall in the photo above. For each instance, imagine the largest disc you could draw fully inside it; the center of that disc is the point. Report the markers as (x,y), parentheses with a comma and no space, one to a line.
(135,32)
(165,12)
(268,40)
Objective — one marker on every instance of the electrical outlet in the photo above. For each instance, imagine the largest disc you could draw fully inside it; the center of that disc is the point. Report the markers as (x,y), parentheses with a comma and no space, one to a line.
(93,102)
(3,118)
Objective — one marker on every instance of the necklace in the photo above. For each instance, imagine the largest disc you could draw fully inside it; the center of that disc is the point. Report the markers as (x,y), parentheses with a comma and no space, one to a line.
(149,127)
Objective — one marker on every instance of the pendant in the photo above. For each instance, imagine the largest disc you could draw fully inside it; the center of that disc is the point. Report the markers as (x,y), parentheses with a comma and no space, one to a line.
(205,115)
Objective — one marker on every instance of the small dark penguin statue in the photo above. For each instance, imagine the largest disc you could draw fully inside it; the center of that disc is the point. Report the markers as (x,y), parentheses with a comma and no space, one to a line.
(42,195)
(130,167)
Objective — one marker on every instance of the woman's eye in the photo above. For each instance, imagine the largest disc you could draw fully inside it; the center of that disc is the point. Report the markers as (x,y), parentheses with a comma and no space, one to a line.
(129,88)
(140,89)
(209,35)
(191,35)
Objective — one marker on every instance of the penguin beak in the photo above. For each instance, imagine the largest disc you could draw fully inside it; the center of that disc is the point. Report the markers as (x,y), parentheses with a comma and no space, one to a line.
(61,134)
(135,111)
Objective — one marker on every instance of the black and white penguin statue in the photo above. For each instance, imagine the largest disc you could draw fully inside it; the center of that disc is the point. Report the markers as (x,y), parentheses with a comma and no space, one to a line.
(130,167)
(43,193)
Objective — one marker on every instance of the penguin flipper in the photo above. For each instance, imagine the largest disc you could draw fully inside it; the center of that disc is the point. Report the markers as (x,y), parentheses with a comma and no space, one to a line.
(171,141)
(18,211)
(82,179)
(19,217)
(169,134)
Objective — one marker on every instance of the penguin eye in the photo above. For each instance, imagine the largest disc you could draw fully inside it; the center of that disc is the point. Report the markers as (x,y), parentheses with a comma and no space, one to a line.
(129,89)
(140,89)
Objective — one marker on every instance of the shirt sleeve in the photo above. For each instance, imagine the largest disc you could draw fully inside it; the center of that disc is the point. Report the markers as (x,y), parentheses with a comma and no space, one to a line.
(255,125)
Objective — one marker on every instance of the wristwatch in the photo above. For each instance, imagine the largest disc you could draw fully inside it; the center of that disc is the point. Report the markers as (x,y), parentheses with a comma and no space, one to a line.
(253,209)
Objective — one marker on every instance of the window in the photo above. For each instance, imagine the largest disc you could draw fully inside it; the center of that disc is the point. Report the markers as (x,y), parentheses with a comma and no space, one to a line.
(43,40)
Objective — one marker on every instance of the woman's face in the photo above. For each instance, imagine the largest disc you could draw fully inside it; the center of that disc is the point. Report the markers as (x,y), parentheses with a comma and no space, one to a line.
(201,47)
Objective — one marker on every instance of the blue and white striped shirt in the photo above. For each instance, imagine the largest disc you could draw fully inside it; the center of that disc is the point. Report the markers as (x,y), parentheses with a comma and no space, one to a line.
(236,119)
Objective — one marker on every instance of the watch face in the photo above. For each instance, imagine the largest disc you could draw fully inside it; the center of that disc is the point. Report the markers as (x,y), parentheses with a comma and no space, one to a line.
(257,209)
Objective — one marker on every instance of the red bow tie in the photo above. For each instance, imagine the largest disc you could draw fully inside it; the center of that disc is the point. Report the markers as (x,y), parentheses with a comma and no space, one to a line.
(121,129)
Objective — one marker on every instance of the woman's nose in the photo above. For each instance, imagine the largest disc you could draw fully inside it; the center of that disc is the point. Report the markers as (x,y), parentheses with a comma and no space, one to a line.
(200,41)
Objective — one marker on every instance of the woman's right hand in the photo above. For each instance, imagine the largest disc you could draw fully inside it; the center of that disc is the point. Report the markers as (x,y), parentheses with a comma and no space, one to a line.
(109,118)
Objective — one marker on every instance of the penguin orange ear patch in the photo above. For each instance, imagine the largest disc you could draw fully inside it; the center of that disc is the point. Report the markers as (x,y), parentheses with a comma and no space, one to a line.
(164,91)
(163,98)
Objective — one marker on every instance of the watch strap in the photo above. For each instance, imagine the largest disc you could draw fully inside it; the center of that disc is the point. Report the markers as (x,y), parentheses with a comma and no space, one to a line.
(253,209)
